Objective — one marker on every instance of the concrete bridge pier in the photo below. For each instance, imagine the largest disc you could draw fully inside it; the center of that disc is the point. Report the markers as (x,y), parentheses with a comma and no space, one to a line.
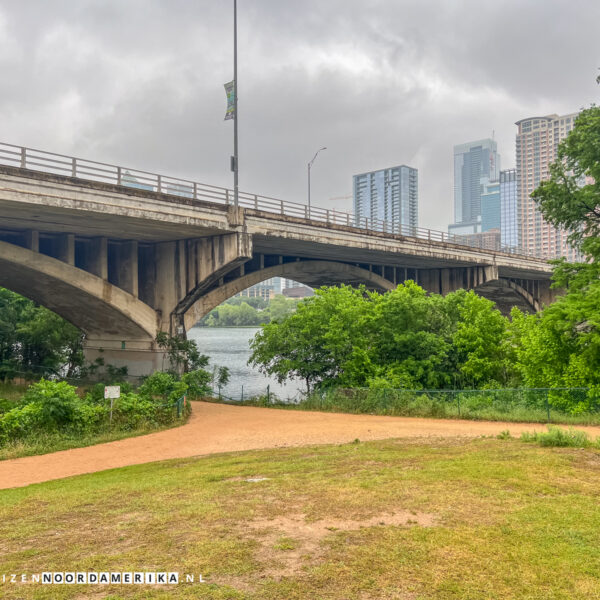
(141,357)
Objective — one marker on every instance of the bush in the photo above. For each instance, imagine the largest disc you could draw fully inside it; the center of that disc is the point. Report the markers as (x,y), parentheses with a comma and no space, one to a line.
(198,383)
(555,436)
(162,388)
(6,405)
(57,401)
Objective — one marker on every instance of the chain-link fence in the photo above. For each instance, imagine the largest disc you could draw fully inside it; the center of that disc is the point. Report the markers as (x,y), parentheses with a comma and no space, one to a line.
(552,405)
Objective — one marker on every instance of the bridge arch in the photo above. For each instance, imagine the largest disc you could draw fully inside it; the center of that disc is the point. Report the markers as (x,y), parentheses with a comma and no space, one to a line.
(310,272)
(508,294)
(92,304)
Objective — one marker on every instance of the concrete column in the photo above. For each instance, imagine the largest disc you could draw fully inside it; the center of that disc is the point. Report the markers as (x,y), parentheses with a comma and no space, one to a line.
(166,290)
(191,262)
(66,248)
(98,259)
(128,267)
(32,240)
(181,272)
(445,275)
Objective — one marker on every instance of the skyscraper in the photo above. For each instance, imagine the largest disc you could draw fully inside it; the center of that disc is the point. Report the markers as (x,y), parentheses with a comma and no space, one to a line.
(537,145)
(390,195)
(510,217)
(490,206)
(476,164)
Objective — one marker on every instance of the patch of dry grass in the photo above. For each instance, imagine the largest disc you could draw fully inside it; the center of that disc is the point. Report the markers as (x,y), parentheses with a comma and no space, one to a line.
(424,519)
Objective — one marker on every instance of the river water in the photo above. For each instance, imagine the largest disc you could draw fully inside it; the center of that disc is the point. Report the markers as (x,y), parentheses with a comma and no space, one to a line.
(229,347)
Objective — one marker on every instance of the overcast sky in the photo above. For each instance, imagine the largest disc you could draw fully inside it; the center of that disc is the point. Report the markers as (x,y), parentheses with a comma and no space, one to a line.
(379,82)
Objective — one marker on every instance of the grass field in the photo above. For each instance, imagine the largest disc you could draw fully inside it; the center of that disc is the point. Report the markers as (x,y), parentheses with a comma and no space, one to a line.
(45,443)
(398,519)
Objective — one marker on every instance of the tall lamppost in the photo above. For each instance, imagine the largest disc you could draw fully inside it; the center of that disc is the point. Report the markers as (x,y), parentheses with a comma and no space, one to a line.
(309,166)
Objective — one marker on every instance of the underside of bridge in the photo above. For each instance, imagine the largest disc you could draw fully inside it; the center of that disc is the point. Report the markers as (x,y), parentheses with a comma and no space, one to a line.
(124,264)
(122,293)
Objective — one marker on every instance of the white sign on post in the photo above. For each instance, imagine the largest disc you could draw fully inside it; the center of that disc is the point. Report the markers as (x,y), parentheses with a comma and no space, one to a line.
(112,392)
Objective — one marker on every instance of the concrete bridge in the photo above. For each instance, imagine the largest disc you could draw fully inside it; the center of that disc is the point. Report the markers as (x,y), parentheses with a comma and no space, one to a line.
(125,255)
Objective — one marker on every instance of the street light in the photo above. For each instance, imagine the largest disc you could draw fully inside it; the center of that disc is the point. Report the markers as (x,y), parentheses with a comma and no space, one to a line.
(309,166)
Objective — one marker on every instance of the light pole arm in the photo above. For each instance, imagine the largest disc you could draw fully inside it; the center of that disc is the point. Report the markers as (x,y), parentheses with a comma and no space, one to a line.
(309,166)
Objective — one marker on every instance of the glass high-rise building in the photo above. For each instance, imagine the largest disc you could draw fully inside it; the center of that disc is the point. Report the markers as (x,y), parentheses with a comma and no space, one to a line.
(537,146)
(476,164)
(490,206)
(390,195)
(510,217)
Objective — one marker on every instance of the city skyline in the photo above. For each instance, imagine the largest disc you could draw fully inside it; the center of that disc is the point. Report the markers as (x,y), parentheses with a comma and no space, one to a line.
(476,164)
(372,81)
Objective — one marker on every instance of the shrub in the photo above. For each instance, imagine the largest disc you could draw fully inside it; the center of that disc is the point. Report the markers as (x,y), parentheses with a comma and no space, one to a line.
(555,436)
(57,401)
(6,405)
(21,421)
(198,383)
(162,388)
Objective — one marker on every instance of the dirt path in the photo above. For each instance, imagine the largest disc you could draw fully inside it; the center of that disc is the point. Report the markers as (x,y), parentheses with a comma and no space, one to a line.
(214,428)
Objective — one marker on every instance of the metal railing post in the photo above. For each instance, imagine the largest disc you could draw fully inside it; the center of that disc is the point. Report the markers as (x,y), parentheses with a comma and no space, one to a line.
(226,196)
(159,183)
(119,176)
(195,191)
(255,201)
(73,167)
(23,158)
(281,206)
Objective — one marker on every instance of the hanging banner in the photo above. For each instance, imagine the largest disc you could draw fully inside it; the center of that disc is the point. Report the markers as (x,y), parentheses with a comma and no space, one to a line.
(229,91)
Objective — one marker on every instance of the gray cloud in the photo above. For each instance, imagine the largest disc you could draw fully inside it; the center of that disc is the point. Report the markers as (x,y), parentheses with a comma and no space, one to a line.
(140,83)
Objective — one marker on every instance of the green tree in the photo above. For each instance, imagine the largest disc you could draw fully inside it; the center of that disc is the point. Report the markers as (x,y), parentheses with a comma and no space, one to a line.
(281,307)
(479,340)
(34,341)
(317,342)
(561,345)
(183,353)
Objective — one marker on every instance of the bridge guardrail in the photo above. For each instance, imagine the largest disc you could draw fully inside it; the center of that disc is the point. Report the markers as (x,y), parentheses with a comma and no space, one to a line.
(60,164)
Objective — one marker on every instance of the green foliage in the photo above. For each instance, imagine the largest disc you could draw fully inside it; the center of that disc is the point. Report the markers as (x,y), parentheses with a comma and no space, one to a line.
(57,401)
(54,407)
(183,354)
(555,436)
(404,338)
(162,388)
(198,383)
(220,377)
(249,312)
(256,302)
(35,342)
(319,343)
(560,347)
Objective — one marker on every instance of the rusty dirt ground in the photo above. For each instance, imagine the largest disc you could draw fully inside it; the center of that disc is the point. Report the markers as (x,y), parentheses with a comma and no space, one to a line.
(214,428)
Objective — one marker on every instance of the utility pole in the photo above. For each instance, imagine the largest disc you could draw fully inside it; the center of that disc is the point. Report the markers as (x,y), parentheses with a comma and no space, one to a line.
(235,108)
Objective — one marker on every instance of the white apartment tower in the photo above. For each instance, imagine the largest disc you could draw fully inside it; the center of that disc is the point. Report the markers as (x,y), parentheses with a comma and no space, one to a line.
(537,146)
(390,195)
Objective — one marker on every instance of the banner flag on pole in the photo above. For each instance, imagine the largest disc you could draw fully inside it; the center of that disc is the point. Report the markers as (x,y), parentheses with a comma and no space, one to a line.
(229,91)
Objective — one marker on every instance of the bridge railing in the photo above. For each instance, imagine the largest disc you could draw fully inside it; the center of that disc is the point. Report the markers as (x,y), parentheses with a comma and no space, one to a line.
(59,164)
